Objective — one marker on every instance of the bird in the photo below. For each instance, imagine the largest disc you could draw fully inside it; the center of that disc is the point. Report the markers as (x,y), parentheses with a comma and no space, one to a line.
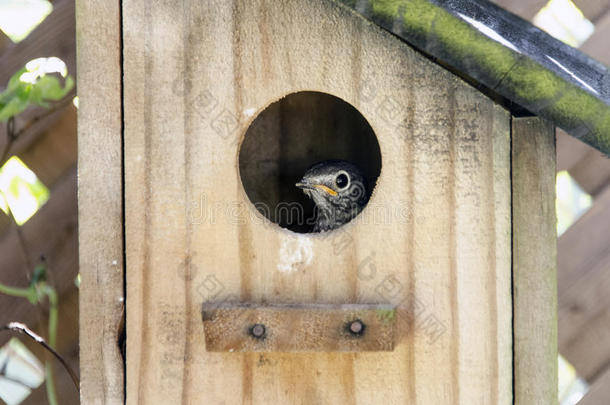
(338,190)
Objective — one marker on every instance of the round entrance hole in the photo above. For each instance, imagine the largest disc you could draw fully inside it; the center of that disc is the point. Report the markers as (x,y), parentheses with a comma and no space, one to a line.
(288,138)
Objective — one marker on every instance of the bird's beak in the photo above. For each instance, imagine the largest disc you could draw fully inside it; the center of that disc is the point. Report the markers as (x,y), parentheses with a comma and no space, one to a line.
(308,186)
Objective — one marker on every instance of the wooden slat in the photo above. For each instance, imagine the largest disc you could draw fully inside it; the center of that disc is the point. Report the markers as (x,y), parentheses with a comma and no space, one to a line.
(99,201)
(55,149)
(584,290)
(191,84)
(599,391)
(592,173)
(534,261)
(229,327)
(524,9)
(570,151)
(597,44)
(593,9)
(583,245)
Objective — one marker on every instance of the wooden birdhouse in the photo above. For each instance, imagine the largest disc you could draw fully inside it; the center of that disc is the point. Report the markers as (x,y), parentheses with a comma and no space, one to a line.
(196,121)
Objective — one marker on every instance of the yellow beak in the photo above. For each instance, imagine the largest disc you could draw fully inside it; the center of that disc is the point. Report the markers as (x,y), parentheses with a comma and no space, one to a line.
(320,186)
(327,189)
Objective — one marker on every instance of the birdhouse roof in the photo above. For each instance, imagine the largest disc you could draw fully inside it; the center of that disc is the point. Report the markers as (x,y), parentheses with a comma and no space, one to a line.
(506,56)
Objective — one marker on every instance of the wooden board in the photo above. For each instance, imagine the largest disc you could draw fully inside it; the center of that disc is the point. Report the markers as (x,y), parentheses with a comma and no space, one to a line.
(434,239)
(594,10)
(100,201)
(245,327)
(584,290)
(534,261)
(524,9)
(55,150)
(599,391)
(596,46)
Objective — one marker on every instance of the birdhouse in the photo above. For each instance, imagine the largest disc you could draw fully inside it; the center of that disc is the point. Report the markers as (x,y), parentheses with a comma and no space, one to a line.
(198,120)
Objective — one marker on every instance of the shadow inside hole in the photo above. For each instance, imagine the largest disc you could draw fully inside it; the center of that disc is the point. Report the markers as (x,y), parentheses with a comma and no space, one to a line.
(290,136)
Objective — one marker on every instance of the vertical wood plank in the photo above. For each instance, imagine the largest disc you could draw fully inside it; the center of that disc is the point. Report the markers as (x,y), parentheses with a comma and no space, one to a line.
(100,201)
(534,261)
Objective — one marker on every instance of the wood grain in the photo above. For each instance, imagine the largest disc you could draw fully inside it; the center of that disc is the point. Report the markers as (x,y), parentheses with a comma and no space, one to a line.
(100,201)
(434,239)
(534,261)
(228,327)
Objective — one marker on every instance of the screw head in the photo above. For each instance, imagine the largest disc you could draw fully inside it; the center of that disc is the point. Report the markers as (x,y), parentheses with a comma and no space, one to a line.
(258,331)
(356,327)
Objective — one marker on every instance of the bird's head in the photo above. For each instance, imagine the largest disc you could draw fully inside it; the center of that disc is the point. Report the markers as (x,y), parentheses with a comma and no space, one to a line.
(336,187)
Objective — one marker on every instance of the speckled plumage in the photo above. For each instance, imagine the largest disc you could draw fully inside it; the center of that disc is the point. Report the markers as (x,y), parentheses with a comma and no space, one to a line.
(336,205)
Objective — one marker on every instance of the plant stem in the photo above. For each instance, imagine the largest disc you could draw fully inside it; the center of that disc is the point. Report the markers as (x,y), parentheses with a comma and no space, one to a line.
(17,292)
(50,384)
(52,296)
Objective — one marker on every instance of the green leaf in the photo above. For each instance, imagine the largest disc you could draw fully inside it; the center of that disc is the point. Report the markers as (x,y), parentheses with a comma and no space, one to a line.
(15,81)
(12,108)
(19,94)
(51,89)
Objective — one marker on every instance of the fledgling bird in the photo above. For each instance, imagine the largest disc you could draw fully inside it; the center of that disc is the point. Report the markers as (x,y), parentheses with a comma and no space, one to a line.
(338,190)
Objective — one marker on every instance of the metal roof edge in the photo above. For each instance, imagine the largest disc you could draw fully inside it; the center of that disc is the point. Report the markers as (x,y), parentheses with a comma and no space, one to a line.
(506,54)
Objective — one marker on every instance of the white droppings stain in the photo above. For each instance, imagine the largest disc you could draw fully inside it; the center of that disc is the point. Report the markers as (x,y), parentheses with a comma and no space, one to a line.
(114,262)
(249,112)
(296,253)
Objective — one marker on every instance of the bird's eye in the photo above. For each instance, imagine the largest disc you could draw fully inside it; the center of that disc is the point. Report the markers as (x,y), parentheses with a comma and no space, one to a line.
(342,180)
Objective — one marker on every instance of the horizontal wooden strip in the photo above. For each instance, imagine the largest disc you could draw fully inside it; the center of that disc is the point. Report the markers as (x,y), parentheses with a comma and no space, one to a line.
(249,327)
